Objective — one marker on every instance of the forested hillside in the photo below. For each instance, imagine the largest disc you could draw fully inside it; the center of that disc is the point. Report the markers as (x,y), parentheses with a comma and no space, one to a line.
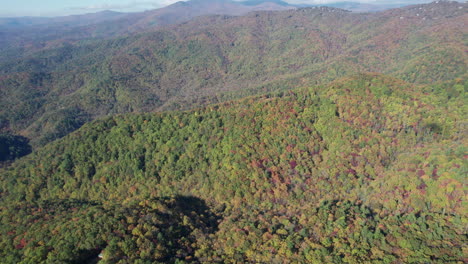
(313,135)
(367,169)
(33,33)
(51,87)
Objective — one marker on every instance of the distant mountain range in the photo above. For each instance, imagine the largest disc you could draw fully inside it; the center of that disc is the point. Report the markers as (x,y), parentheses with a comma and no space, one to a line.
(183,11)
(70,21)
(363,7)
(15,32)
(55,81)
(175,13)
(22,31)
(27,32)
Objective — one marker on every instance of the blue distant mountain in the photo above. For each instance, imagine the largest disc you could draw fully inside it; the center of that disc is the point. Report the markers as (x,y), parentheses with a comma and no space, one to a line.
(258,2)
(183,11)
(351,6)
(362,7)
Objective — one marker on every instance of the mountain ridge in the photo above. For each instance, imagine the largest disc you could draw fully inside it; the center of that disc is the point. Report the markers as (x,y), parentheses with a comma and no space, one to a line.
(311,135)
(216,58)
(34,20)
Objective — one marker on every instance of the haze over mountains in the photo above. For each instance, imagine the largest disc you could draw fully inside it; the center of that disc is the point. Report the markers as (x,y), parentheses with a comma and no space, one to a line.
(183,11)
(53,84)
(304,135)
(94,24)
(174,13)
(19,29)
(16,31)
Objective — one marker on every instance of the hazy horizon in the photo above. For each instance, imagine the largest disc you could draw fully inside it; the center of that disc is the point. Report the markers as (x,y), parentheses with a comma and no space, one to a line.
(52,8)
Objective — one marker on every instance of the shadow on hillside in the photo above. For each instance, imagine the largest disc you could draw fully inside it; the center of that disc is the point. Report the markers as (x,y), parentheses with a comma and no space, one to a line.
(188,219)
(13,147)
(188,205)
(181,221)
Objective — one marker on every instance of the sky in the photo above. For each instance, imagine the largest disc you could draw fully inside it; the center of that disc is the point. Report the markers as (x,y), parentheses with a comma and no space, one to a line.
(13,8)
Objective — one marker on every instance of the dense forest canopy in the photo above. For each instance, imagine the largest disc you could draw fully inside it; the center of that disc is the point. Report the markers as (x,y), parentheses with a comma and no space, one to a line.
(50,87)
(365,169)
(313,135)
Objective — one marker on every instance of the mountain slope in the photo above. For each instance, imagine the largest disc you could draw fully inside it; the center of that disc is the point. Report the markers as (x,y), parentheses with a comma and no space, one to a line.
(212,59)
(366,169)
(47,32)
(184,11)
(363,7)
(70,21)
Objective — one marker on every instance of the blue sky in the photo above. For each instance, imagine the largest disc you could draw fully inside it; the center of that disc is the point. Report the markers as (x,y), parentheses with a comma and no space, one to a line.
(9,8)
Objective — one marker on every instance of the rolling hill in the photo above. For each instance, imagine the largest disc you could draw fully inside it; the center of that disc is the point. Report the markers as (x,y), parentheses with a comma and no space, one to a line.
(31,33)
(308,135)
(366,169)
(51,92)
(364,7)
(16,23)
